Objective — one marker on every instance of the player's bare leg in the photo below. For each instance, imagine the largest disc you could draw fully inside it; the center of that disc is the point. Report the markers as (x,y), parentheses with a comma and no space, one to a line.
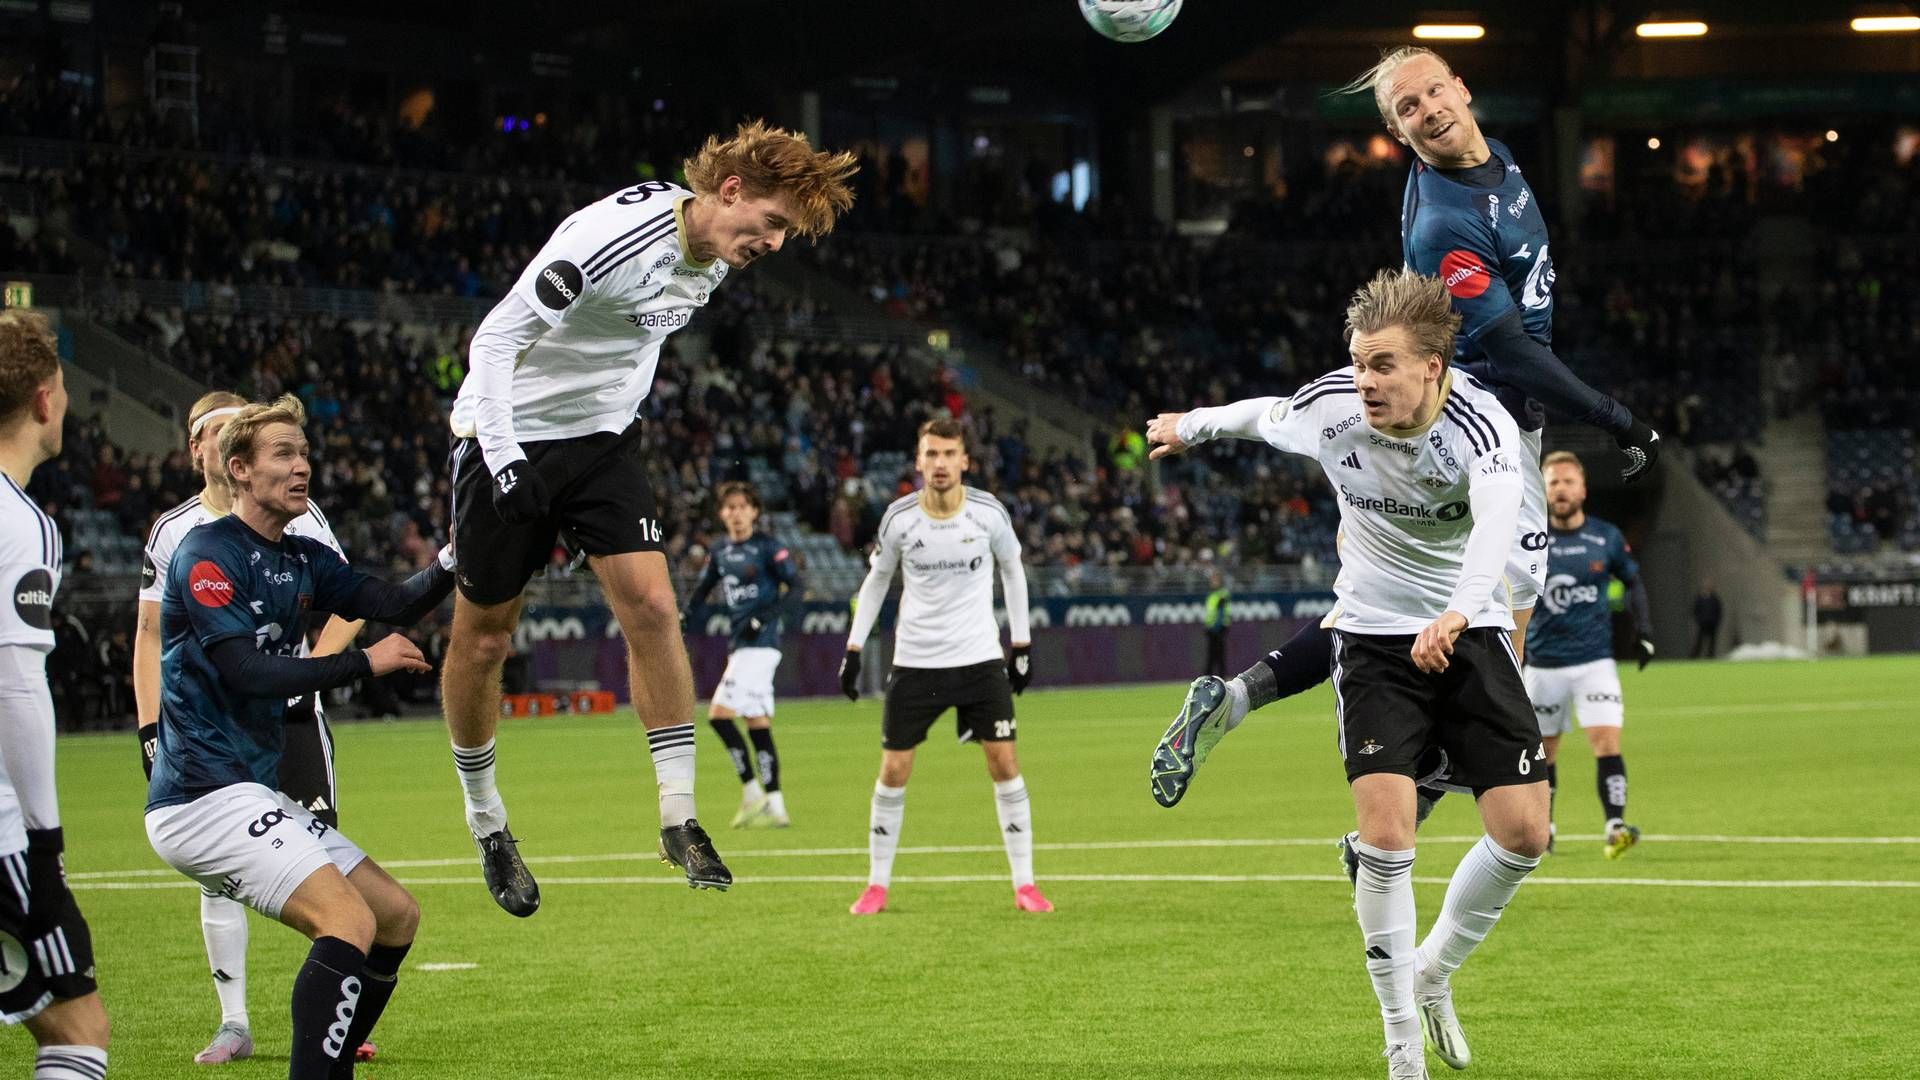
(477,647)
(883,829)
(1016,823)
(660,683)
(362,926)
(71,1033)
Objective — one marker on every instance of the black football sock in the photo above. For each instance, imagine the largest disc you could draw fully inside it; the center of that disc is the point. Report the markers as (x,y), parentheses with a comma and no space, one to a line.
(378,979)
(1610,776)
(1553,786)
(326,997)
(768,757)
(729,733)
(1304,662)
(1424,799)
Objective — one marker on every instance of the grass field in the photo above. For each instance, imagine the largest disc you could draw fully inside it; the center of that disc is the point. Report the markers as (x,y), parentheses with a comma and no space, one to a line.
(1764,928)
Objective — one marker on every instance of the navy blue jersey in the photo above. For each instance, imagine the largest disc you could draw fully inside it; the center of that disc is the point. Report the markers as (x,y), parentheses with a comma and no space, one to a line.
(1574,623)
(227,581)
(749,574)
(1489,244)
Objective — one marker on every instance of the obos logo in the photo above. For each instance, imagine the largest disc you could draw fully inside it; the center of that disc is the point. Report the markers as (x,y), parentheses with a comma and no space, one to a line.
(1452,511)
(558,284)
(1465,274)
(209,586)
(33,599)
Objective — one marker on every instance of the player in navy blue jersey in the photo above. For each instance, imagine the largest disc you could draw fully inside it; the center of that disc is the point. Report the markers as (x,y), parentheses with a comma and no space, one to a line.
(1570,665)
(1470,218)
(754,573)
(239,593)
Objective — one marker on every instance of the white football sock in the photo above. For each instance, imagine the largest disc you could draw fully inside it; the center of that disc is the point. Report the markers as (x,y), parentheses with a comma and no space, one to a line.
(1383,898)
(777,803)
(1484,883)
(751,792)
(1237,707)
(223,923)
(70,1063)
(883,832)
(672,749)
(1016,827)
(474,766)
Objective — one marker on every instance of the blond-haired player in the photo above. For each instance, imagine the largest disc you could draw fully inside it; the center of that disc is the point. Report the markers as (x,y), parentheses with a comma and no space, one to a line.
(547,441)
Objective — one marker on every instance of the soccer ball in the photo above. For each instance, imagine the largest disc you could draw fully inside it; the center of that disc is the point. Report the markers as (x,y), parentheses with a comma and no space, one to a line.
(1129,20)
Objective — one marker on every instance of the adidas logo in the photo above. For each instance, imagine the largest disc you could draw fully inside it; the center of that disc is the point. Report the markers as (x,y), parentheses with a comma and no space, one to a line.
(1014,828)
(1375,952)
(879,830)
(1352,461)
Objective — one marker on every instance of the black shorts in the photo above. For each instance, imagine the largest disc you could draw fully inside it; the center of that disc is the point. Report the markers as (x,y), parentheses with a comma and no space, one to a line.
(306,762)
(29,980)
(979,694)
(1392,714)
(599,495)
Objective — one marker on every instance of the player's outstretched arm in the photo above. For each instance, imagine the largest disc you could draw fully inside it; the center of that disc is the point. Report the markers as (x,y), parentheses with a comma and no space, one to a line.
(394,603)
(1519,361)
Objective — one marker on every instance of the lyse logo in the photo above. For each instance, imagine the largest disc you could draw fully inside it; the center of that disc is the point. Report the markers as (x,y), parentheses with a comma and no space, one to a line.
(508,480)
(208,585)
(650,529)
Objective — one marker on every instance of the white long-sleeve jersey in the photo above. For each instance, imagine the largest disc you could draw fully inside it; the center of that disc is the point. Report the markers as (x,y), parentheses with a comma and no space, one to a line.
(946,606)
(30,558)
(1427,515)
(572,350)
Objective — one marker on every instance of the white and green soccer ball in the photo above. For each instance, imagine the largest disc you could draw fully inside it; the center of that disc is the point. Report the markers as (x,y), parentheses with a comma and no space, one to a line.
(1129,20)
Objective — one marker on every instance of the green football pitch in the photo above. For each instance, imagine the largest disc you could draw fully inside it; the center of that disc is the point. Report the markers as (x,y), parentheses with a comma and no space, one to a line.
(1765,926)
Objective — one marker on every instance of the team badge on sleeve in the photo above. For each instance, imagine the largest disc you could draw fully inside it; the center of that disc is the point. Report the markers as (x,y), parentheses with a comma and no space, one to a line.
(33,599)
(1465,273)
(209,586)
(558,284)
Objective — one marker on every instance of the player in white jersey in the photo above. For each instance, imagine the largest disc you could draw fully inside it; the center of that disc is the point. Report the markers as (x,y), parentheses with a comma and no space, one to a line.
(949,539)
(306,767)
(547,441)
(1426,464)
(46,951)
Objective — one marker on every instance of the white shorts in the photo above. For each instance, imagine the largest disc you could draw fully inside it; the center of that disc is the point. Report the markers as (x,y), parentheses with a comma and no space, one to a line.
(248,843)
(747,685)
(1591,691)
(1527,565)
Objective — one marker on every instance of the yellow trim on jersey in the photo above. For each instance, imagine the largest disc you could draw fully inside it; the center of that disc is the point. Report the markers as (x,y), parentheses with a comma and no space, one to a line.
(680,234)
(1439,408)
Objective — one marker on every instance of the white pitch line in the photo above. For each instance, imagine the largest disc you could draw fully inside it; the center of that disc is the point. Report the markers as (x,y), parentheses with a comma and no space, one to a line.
(445,966)
(1085,845)
(1202,879)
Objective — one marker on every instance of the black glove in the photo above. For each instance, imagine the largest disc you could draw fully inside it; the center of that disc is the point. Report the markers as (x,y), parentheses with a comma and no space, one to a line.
(149,744)
(850,675)
(1641,444)
(1020,667)
(519,496)
(46,881)
(1643,649)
